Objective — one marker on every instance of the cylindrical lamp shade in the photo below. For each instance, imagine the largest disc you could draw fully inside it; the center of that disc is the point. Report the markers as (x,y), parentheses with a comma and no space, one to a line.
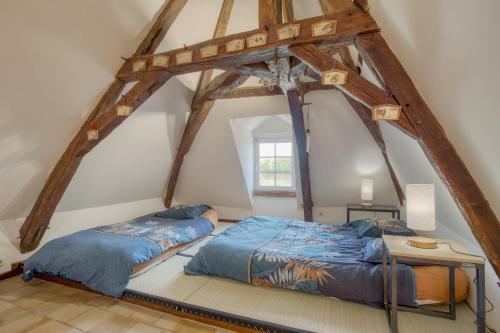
(420,207)
(366,189)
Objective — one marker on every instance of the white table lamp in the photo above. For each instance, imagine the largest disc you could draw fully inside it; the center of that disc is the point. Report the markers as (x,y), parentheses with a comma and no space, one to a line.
(366,192)
(421,213)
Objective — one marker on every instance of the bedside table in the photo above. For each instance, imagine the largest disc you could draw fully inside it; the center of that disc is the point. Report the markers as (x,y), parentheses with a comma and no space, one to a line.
(398,248)
(375,208)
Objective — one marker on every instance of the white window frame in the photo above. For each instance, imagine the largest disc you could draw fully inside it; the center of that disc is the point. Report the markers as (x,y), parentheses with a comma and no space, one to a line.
(256,154)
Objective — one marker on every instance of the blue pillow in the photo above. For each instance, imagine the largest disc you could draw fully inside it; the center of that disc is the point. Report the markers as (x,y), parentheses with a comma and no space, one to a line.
(373,250)
(183,212)
(377,226)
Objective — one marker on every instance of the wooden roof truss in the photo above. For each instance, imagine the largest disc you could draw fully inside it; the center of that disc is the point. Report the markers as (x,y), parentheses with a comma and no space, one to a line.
(287,59)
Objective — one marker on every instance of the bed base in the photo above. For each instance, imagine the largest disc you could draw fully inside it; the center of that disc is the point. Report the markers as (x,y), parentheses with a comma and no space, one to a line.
(188,311)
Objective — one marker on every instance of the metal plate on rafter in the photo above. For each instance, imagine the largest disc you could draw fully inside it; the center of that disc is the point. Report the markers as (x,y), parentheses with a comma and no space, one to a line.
(386,112)
(184,57)
(235,45)
(288,31)
(209,51)
(325,27)
(257,39)
(161,61)
(334,77)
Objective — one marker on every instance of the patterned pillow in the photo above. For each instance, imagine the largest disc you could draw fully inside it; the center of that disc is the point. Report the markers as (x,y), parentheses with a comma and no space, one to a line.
(377,226)
(183,212)
(372,250)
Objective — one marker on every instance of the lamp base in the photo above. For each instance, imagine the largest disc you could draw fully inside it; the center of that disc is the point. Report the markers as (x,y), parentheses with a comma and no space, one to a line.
(366,205)
(422,242)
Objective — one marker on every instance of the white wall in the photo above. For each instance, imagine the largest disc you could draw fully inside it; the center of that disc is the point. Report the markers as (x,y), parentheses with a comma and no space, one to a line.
(64,223)
(56,59)
(450,60)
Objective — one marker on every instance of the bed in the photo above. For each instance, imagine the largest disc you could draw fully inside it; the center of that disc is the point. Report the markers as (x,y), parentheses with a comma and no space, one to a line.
(106,257)
(326,259)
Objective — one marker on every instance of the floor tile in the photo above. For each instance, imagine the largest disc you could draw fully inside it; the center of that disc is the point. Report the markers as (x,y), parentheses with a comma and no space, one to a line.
(12,314)
(114,324)
(23,324)
(68,312)
(52,326)
(90,319)
(144,328)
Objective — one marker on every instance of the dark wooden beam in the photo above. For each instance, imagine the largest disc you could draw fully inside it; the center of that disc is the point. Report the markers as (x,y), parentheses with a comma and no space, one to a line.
(349,25)
(259,69)
(356,87)
(434,142)
(288,14)
(38,220)
(201,107)
(220,30)
(244,92)
(300,138)
(268,14)
(362,4)
(161,25)
(332,7)
(218,86)
(366,117)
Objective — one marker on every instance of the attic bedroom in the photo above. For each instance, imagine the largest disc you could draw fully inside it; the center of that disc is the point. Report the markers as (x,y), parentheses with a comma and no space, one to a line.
(249,166)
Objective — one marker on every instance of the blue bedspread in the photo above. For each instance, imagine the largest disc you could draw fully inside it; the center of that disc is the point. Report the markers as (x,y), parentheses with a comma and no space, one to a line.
(310,257)
(103,258)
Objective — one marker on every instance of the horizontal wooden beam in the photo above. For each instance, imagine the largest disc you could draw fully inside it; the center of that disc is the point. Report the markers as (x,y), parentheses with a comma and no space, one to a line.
(244,92)
(349,24)
(356,86)
(258,69)
(434,142)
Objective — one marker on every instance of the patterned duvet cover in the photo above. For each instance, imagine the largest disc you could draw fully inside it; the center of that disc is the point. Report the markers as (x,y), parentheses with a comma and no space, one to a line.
(305,256)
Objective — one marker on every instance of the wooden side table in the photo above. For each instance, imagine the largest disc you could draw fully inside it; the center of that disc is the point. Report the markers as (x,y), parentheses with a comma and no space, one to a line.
(375,208)
(398,248)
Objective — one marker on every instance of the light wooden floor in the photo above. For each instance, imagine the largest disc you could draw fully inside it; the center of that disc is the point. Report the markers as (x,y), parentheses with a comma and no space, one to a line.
(46,307)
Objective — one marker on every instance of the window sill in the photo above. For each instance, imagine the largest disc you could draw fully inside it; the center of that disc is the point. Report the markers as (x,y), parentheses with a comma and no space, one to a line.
(279,194)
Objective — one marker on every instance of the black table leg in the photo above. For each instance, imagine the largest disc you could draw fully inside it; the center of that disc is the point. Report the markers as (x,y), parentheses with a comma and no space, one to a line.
(453,312)
(394,294)
(384,267)
(481,300)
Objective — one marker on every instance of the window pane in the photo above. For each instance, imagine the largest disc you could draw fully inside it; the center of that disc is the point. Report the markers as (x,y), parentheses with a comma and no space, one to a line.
(284,179)
(284,149)
(266,179)
(266,149)
(284,164)
(266,164)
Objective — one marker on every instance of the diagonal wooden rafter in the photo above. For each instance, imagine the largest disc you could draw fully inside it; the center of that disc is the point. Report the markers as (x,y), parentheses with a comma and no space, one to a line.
(336,6)
(201,108)
(203,101)
(269,13)
(295,105)
(220,30)
(356,86)
(434,142)
(366,117)
(38,220)
(350,24)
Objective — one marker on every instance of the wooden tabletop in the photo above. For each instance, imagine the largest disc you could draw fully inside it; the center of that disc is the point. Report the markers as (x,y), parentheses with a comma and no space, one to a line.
(398,246)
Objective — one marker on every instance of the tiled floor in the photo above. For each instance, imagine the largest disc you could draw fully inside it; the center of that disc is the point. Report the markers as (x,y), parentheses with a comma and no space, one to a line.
(46,307)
